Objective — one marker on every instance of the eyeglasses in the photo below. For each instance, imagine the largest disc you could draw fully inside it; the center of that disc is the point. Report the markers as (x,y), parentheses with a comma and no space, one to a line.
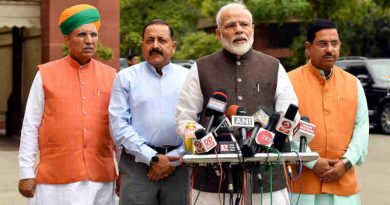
(325,44)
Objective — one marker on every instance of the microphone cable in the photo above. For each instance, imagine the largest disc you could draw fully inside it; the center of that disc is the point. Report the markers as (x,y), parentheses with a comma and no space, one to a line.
(271,166)
(220,179)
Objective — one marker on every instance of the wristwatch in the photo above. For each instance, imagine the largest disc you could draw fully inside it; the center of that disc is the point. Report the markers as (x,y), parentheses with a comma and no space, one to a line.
(154,160)
(347,163)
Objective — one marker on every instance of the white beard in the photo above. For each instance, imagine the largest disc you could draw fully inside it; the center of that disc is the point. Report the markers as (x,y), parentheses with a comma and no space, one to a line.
(240,49)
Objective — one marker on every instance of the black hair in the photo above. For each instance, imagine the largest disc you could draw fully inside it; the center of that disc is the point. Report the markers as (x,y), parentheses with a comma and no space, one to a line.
(131,56)
(318,25)
(158,22)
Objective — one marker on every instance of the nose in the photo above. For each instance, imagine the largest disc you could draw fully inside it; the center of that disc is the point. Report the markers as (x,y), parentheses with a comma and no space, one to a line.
(155,44)
(88,38)
(239,29)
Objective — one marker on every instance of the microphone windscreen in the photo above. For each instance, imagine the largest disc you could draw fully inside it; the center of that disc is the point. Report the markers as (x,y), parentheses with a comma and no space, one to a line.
(241,110)
(220,95)
(291,112)
(232,110)
(200,134)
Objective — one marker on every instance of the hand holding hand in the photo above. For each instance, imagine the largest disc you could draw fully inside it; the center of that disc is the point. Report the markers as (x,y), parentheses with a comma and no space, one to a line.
(163,168)
(335,173)
(321,166)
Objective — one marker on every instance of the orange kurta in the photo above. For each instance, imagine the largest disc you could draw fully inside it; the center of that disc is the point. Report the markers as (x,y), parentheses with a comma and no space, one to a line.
(331,105)
(74,138)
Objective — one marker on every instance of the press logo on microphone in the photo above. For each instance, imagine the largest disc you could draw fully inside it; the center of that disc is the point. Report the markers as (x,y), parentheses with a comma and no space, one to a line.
(198,146)
(285,126)
(243,121)
(209,142)
(261,117)
(264,137)
(217,105)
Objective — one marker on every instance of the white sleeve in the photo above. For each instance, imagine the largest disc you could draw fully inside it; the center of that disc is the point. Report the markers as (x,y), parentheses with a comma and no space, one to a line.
(190,102)
(284,95)
(29,136)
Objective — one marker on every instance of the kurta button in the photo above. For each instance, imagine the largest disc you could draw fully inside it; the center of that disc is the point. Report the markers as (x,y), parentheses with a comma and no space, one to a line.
(85,112)
(84,98)
(240,97)
(238,63)
(239,80)
(84,145)
(82,83)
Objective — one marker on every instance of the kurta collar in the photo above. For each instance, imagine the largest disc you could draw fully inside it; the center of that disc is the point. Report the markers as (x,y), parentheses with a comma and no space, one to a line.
(75,64)
(234,57)
(318,73)
(165,69)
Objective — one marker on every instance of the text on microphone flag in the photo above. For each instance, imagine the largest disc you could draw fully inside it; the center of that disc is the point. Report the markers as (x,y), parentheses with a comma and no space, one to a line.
(242,121)
(217,105)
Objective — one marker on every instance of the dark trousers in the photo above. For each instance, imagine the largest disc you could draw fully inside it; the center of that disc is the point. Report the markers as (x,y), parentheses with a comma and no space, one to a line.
(136,189)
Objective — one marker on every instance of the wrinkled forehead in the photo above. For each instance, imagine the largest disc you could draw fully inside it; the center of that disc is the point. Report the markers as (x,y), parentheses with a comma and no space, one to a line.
(326,35)
(157,30)
(235,15)
(85,28)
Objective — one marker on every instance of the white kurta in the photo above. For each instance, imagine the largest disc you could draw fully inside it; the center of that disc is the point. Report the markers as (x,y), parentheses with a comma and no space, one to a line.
(77,193)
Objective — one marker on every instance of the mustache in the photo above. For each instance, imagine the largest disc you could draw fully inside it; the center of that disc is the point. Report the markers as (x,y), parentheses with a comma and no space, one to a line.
(154,51)
(327,56)
(88,47)
(239,36)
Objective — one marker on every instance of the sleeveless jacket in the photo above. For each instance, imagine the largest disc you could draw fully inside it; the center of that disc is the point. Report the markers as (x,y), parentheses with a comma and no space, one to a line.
(249,81)
(331,105)
(74,139)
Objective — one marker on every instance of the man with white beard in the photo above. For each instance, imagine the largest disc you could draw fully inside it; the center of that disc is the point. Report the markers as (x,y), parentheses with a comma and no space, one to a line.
(250,79)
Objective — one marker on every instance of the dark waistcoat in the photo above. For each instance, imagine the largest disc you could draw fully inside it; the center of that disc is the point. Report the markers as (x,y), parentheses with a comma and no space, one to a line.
(249,81)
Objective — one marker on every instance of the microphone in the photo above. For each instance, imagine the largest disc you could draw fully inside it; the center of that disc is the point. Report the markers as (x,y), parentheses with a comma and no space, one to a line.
(232,110)
(215,107)
(284,128)
(229,177)
(224,123)
(205,142)
(225,128)
(249,146)
(225,142)
(242,121)
(304,133)
(265,136)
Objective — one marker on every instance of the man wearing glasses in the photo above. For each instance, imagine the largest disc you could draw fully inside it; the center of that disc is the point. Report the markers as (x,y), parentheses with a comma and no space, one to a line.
(335,102)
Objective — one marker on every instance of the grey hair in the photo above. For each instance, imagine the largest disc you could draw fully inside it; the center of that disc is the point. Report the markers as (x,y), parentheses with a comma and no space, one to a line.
(228,7)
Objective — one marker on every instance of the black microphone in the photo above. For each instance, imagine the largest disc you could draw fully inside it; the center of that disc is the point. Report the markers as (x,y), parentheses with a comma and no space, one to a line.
(304,133)
(215,108)
(249,146)
(242,121)
(284,128)
(225,141)
(229,177)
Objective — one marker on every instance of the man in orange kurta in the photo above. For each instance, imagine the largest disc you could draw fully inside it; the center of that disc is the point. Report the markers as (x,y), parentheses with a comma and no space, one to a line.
(335,102)
(67,119)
